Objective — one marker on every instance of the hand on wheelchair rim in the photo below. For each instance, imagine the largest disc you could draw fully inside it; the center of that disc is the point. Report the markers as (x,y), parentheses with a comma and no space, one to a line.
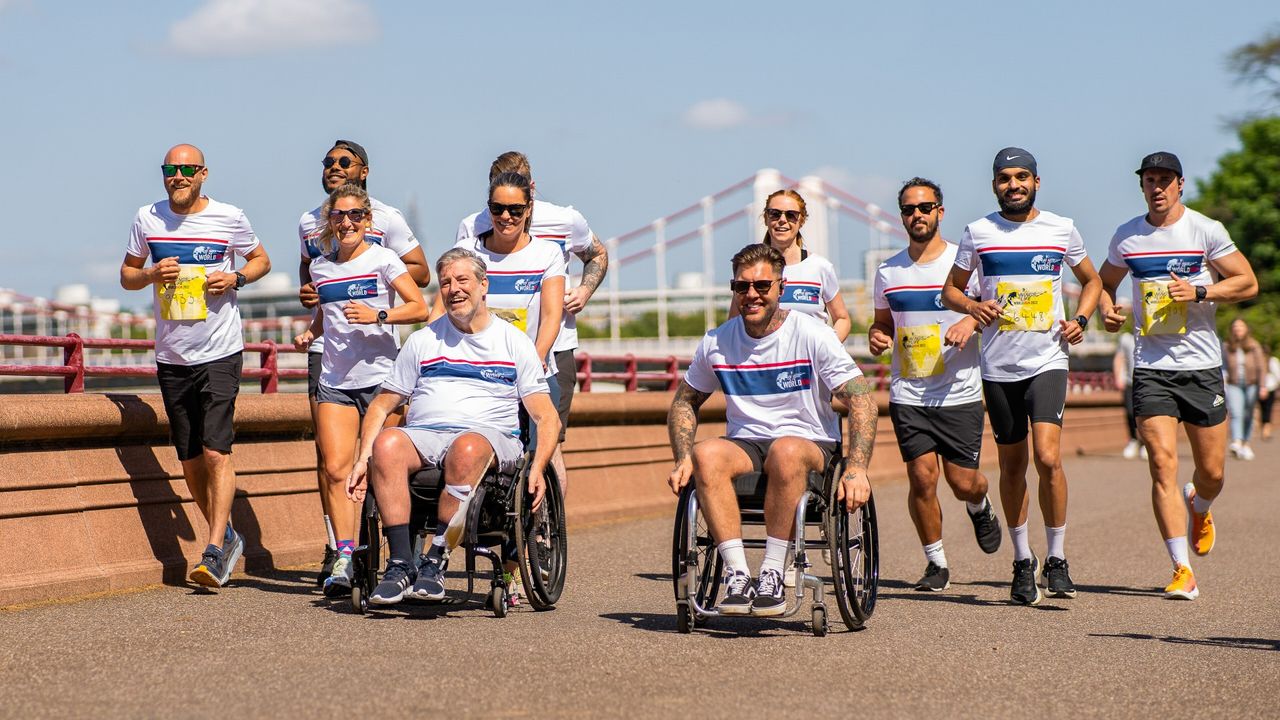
(537,488)
(680,476)
(854,489)
(357,483)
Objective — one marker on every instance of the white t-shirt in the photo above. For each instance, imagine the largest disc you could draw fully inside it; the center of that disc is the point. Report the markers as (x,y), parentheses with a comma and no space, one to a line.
(1171,335)
(811,284)
(515,282)
(771,384)
(1021,266)
(356,356)
(1125,345)
(208,239)
(458,381)
(560,224)
(389,230)
(926,371)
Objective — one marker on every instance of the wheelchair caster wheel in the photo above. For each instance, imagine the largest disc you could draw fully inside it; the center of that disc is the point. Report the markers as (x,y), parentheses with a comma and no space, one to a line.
(498,602)
(684,618)
(359,603)
(819,621)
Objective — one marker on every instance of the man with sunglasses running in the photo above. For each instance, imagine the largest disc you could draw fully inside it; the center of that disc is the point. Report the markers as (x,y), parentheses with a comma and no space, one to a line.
(568,229)
(935,398)
(1020,251)
(779,370)
(192,241)
(348,163)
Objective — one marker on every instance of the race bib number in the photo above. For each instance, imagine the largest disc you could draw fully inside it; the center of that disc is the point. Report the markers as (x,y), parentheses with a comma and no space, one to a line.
(1028,306)
(516,316)
(1161,314)
(920,351)
(184,298)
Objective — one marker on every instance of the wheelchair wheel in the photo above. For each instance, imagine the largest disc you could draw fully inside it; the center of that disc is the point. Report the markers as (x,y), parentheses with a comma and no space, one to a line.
(542,542)
(701,558)
(855,560)
(497,602)
(364,570)
(359,600)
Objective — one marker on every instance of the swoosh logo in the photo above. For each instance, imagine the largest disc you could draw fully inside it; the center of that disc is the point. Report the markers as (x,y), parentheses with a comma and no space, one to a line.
(1012,157)
(1060,414)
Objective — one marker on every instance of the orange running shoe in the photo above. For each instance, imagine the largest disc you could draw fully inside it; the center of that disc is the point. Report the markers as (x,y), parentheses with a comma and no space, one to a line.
(1183,586)
(1200,531)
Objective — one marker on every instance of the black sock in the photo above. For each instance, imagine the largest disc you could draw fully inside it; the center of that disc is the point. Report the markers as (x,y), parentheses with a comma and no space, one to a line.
(399,543)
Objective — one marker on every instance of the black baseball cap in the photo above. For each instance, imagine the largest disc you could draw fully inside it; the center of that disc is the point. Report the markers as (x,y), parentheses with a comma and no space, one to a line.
(352,147)
(1161,161)
(1014,157)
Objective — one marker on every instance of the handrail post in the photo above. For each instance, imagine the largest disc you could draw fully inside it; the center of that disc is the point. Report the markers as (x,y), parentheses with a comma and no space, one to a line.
(271,382)
(73,356)
(632,381)
(584,372)
(673,372)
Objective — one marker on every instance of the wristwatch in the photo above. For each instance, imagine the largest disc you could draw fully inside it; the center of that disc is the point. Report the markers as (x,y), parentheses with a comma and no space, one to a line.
(1201,292)
(1083,322)
(241,280)
(382,317)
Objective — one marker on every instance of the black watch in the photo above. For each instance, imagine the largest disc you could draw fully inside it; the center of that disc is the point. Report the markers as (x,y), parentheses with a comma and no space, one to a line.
(382,317)
(1083,322)
(241,280)
(1201,292)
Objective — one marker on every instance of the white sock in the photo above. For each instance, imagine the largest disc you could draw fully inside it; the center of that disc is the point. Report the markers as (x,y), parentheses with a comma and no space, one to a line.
(735,558)
(1021,546)
(1178,551)
(775,554)
(975,508)
(1056,537)
(1200,505)
(934,553)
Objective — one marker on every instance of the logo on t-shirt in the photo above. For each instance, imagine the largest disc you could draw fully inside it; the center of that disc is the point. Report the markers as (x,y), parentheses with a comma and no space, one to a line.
(206,254)
(518,282)
(802,293)
(1046,263)
(189,251)
(1183,266)
(527,285)
(765,378)
(792,380)
(1158,265)
(343,289)
(494,371)
(364,288)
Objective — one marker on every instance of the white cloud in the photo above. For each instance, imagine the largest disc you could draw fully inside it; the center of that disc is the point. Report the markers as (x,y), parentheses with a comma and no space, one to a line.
(716,114)
(230,28)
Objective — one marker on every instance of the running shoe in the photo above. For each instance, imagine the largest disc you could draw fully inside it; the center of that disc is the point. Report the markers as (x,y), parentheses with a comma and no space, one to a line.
(211,569)
(1131,450)
(515,589)
(396,582)
(1024,590)
(1200,529)
(986,527)
(430,582)
(770,599)
(1055,579)
(339,580)
(738,593)
(1246,452)
(935,579)
(326,565)
(1183,586)
(231,552)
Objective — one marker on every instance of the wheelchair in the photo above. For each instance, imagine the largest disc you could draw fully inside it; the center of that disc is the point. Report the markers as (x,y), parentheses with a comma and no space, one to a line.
(850,538)
(500,515)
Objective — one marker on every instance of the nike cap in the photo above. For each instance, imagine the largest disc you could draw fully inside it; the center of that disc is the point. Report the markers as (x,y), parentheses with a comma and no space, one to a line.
(1161,161)
(1011,157)
(353,148)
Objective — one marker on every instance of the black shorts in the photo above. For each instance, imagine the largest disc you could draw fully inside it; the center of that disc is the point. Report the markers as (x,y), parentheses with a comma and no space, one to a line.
(1196,397)
(954,432)
(201,403)
(359,398)
(758,450)
(567,378)
(1040,398)
(313,374)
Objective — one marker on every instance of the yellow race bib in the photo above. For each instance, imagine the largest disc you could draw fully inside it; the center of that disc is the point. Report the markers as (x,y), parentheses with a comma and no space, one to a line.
(184,299)
(516,316)
(1161,314)
(920,351)
(1028,306)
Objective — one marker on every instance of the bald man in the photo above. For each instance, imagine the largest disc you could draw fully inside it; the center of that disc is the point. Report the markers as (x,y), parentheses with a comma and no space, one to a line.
(192,241)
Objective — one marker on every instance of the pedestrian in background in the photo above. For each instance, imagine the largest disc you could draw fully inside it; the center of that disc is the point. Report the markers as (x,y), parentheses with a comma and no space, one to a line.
(1245,366)
(1267,393)
(1122,371)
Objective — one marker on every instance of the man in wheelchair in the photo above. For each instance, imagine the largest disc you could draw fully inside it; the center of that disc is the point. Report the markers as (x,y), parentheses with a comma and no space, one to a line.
(464,376)
(779,371)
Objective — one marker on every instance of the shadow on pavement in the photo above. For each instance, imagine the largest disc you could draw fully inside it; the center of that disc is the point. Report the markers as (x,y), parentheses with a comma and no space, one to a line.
(1098,589)
(659,577)
(283,582)
(722,627)
(1225,642)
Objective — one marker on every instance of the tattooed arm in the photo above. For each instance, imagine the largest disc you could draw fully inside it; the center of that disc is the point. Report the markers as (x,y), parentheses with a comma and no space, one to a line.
(682,426)
(595,263)
(855,487)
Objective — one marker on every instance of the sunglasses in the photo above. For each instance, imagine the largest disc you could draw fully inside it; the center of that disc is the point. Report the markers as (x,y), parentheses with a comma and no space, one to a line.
(740,287)
(516,211)
(773,214)
(925,208)
(186,170)
(343,162)
(357,215)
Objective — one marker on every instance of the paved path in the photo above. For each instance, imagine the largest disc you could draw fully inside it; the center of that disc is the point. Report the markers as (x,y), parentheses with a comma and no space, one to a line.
(271,645)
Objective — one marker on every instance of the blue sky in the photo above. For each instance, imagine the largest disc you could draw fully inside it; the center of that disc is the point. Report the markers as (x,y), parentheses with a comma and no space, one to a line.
(601,96)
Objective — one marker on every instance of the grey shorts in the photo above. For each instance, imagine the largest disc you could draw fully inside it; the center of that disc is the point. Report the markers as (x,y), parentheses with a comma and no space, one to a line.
(358,398)
(433,444)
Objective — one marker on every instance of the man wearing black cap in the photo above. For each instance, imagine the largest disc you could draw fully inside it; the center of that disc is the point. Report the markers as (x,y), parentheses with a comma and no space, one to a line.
(1025,334)
(348,163)
(1177,375)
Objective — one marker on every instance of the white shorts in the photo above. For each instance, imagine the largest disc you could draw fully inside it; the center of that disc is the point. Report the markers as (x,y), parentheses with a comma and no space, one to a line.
(433,444)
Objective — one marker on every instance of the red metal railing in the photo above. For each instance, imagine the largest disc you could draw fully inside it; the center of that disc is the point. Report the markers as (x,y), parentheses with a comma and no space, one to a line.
(73,369)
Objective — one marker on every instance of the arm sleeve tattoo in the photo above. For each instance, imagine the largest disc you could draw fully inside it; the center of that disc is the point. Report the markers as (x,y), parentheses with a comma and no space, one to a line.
(856,394)
(595,263)
(682,420)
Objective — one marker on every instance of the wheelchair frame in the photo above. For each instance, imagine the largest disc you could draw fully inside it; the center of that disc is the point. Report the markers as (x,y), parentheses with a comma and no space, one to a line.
(697,568)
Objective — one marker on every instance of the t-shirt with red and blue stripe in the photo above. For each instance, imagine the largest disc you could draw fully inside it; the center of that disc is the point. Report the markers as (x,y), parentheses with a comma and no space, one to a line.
(356,356)
(811,284)
(776,386)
